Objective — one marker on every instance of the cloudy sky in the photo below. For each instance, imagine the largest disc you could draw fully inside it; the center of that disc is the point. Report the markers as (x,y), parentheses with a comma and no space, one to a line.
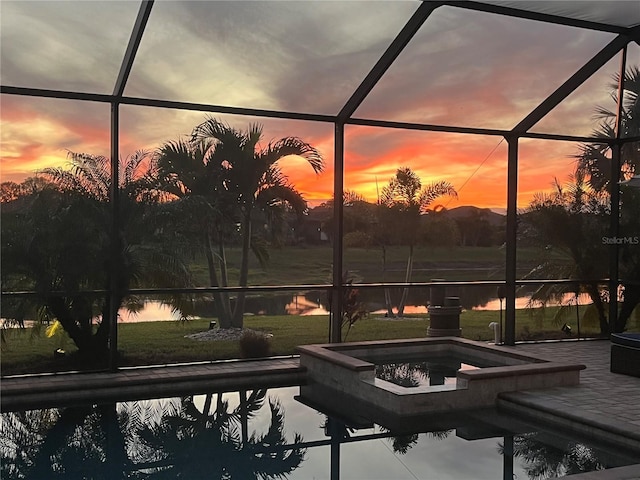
(462,68)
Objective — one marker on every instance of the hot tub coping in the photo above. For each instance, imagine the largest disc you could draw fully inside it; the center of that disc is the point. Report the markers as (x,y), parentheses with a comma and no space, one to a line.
(339,352)
(349,369)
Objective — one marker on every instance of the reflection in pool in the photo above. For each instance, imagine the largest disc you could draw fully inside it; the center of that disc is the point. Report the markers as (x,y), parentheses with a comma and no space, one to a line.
(437,370)
(269,434)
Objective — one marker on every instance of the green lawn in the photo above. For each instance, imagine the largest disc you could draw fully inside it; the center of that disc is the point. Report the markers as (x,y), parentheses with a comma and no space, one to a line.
(149,343)
(312,265)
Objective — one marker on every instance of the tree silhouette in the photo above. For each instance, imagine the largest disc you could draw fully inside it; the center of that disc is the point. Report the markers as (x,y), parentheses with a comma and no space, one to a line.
(402,201)
(235,179)
(594,159)
(75,442)
(569,223)
(571,220)
(542,460)
(196,443)
(58,242)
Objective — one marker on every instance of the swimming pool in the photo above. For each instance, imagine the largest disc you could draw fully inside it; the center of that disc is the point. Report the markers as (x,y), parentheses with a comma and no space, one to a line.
(273,433)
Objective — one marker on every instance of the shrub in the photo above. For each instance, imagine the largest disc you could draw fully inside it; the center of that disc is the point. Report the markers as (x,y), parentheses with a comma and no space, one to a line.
(352,308)
(255,344)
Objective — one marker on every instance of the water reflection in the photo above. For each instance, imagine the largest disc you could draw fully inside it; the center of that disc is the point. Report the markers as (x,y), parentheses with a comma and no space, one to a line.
(420,373)
(315,303)
(269,434)
(214,441)
(181,438)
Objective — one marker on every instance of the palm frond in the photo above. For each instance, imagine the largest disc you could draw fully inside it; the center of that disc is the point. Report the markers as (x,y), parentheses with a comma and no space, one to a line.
(218,131)
(433,191)
(292,146)
(275,194)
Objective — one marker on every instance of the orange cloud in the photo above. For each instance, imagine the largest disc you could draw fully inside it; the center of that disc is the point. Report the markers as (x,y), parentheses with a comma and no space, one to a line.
(37,133)
(475,165)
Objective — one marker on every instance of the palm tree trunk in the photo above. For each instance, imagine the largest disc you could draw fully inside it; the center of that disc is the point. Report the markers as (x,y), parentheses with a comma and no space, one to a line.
(224,275)
(238,312)
(244,418)
(117,463)
(219,405)
(631,300)
(222,300)
(207,404)
(594,294)
(407,279)
(387,294)
(224,279)
(62,313)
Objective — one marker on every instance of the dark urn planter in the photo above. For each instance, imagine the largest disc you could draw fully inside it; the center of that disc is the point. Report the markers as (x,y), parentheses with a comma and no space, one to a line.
(444,314)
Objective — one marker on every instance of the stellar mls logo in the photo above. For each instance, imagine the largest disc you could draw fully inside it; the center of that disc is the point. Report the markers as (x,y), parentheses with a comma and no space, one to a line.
(621,240)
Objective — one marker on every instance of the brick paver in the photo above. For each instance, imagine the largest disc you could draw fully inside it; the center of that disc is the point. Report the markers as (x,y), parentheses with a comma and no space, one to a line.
(603,402)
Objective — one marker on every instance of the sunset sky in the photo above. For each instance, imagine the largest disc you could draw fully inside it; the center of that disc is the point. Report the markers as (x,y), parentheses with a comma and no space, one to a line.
(463,68)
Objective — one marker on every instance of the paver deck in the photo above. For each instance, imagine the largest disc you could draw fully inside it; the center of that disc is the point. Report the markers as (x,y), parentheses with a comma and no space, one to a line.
(26,392)
(604,403)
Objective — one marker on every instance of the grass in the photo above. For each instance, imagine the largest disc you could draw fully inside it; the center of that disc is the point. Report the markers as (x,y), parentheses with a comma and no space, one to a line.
(301,265)
(150,343)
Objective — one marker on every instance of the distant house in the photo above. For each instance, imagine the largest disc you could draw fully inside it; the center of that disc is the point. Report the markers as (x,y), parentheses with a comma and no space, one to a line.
(315,227)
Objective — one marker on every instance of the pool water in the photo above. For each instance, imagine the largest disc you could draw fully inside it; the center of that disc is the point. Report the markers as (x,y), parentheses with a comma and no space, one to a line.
(269,434)
(436,370)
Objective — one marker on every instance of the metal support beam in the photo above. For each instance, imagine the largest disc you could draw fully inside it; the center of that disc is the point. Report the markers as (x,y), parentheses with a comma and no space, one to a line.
(335,329)
(387,58)
(507,458)
(132,47)
(577,79)
(614,231)
(512,231)
(537,16)
(614,191)
(113,273)
(429,127)
(150,102)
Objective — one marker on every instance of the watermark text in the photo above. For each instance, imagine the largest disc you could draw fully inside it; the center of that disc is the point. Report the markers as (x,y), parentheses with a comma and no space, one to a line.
(621,240)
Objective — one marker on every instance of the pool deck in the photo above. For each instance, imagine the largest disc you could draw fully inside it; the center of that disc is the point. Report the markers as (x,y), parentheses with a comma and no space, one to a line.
(604,404)
(604,401)
(63,389)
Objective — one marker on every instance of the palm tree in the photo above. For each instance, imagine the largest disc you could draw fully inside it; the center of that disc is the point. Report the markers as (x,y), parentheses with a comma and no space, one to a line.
(571,219)
(63,243)
(569,223)
(203,207)
(594,160)
(402,201)
(234,179)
